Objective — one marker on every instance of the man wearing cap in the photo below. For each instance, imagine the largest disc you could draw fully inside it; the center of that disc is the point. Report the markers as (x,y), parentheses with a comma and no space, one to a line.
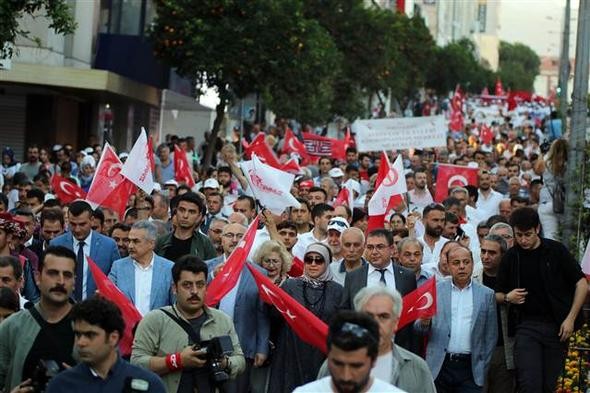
(337,175)
(336,226)
(171,186)
(210,186)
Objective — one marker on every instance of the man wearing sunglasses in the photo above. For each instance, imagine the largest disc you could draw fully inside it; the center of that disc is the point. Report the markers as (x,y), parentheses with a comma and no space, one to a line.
(353,346)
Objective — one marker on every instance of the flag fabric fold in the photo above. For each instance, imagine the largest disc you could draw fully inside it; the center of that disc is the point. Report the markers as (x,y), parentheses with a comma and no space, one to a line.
(304,323)
(296,268)
(66,190)
(137,167)
(109,188)
(183,173)
(109,291)
(420,303)
(229,274)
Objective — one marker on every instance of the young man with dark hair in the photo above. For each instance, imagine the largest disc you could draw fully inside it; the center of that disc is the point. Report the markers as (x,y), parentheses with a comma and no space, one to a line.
(180,362)
(317,195)
(35,199)
(546,288)
(44,331)
(246,205)
(321,214)
(86,242)
(98,328)
(434,219)
(186,237)
(353,346)
(287,231)
(98,220)
(120,234)
(420,196)
(301,216)
(11,276)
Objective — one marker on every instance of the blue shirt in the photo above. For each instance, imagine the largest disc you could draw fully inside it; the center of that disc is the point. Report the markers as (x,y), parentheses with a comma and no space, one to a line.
(82,379)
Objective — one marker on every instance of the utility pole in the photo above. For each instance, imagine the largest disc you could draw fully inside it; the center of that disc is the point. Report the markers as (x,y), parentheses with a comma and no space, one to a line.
(577,142)
(564,68)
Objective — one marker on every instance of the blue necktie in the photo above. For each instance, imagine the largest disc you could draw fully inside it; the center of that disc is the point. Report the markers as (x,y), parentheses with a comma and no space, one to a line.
(382,279)
(79,272)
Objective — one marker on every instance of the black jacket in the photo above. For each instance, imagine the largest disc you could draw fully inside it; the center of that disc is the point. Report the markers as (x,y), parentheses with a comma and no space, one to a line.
(559,271)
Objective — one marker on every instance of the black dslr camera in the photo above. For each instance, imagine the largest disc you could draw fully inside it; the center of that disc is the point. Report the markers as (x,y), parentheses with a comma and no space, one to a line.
(45,370)
(214,351)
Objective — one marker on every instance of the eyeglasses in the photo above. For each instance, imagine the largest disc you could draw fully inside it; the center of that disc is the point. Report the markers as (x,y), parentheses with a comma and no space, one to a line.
(378,247)
(355,330)
(230,235)
(272,261)
(314,260)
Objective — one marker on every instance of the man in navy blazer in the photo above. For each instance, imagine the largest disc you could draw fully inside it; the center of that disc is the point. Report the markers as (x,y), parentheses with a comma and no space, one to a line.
(464,332)
(246,309)
(85,242)
(144,277)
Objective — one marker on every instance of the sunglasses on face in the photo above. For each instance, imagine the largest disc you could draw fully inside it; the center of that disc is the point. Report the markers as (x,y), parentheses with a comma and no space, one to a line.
(314,260)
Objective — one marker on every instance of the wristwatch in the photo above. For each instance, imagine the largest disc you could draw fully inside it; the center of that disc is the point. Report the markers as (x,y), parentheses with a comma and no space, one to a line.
(506,299)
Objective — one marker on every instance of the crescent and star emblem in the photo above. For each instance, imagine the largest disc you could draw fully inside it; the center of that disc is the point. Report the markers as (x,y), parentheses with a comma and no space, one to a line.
(269,292)
(391,178)
(428,304)
(457,178)
(68,188)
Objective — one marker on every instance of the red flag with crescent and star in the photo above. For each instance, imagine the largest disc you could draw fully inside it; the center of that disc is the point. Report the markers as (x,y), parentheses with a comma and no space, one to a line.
(420,303)
(294,145)
(228,276)
(109,188)
(66,190)
(450,176)
(296,268)
(182,172)
(304,323)
(107,289)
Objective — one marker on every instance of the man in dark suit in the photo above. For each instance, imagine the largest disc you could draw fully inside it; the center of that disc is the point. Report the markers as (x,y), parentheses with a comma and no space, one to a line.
(381,271)
(85,242)
(244,306)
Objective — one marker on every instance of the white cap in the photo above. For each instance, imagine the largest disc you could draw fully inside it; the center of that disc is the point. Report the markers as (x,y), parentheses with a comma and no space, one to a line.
(211,183)
(171,182)
(338,223)
(88,150)
(88,161)
(336,172)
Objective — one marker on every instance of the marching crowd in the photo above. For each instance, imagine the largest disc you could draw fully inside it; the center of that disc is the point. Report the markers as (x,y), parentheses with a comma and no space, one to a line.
(508,293)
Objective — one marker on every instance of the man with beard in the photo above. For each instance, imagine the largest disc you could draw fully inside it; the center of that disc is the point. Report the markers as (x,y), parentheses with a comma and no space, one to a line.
(31,167)
(353,347)
(488,199)
(433,218)
(98,327)
(120,234)
(186,238)
(420,196)
(44,331)
(301,216)
(167,340)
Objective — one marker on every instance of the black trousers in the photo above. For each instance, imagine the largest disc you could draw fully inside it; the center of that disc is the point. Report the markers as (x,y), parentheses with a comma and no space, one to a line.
(538,355)
(456,376)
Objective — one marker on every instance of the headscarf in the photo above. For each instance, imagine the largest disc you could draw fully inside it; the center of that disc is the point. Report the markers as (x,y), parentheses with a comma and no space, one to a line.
(7,151)
(324,251)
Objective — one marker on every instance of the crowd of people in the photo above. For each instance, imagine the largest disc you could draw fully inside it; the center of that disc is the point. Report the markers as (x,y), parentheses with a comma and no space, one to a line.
(509,294)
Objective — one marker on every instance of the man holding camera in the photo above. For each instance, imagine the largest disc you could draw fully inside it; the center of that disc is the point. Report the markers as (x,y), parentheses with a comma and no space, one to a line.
(98,327)
(31,339)
(189,344)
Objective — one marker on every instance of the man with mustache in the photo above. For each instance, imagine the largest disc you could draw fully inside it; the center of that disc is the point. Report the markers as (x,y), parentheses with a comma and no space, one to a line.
(44,331)
(168,340)
(98,328)
(433,218)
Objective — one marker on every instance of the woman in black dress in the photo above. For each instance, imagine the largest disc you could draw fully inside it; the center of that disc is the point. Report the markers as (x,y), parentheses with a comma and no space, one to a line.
(294,362)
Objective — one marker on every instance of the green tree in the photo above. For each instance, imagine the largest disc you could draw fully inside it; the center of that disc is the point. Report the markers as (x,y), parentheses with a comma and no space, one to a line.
(240,47)
(11,11)
(518,66)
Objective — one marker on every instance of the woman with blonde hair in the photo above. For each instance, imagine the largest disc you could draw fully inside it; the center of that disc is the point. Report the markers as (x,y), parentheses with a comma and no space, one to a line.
(552,194)
(273,257)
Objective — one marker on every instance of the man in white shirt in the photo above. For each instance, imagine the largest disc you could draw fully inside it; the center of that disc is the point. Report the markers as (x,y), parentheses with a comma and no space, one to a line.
(144,277)
(488,199)
(420,196)
(353,346)
(433,219)
(321,214)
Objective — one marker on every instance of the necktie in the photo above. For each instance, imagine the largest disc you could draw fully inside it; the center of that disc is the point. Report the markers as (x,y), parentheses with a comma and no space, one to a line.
(382,279)
(79,272)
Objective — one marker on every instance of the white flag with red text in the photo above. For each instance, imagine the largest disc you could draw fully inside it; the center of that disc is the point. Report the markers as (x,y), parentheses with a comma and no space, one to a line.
(394,183)
(137,168)
(271,186)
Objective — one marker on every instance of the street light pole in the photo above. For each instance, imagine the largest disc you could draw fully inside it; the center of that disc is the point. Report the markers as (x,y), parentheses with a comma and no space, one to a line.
(564,67)
(577,141)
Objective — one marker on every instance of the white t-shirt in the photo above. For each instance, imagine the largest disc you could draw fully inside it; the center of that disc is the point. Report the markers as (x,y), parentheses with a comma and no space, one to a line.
(382,369)
(324,385)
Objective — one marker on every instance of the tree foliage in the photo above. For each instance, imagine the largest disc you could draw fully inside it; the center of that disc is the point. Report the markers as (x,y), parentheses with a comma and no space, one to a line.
(11,11)
(519,66)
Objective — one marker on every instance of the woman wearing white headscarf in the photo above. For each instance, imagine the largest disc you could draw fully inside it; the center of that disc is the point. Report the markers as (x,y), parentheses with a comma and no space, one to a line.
(295,362)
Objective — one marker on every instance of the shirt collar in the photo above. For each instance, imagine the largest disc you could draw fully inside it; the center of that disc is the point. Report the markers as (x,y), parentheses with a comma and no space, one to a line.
(148,267)
(112,371)
(389,268)
(86,241)
(459,289)
(342,268)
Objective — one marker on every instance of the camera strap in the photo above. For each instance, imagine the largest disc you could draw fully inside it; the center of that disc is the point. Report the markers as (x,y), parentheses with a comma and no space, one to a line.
(185,326)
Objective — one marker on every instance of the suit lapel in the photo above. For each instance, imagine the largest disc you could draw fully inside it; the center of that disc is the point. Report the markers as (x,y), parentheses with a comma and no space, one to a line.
(446,302)
(477,300)
(130,272)
(95,247)
(155,287)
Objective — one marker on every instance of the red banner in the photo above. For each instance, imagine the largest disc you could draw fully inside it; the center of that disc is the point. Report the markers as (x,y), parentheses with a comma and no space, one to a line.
(317,145)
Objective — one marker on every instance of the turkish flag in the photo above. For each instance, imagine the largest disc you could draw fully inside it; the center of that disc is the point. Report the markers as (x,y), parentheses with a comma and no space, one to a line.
(516,97)
(293,145)
(586,261)
(296,268)
(450,176)
(486,135)
(304,323)
(499,89)
(229,274)
(137,167)
(420,303)
(66,190)
(109,291)
(260,148)
(344,197)
(109,188)
(182,172)
(291,166)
